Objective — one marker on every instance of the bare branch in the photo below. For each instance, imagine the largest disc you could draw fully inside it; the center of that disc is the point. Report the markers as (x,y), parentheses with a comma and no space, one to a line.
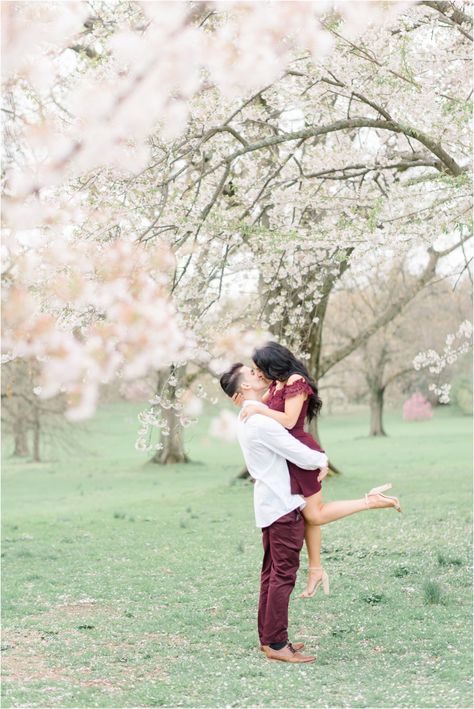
(450,12)
(392,310)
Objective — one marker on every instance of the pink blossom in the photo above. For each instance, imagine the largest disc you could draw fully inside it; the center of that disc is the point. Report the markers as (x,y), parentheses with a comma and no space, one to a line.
(417,408)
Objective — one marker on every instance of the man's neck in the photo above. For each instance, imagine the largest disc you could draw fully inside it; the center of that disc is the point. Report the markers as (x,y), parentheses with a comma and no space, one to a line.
(252,396)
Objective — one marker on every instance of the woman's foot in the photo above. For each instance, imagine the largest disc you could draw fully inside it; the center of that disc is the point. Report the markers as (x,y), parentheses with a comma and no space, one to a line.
(317,577)
(376,499)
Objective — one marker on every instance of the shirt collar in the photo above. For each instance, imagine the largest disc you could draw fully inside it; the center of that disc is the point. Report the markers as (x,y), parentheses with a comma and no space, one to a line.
(253,401)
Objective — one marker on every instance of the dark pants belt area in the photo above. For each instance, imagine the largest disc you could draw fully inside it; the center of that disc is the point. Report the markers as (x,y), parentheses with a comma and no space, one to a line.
(282,542)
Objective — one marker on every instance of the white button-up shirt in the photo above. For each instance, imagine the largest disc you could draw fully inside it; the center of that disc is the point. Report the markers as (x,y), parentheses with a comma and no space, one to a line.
(266,446)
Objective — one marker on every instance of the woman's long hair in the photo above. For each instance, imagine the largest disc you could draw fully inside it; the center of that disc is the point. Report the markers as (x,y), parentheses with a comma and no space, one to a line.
(278,363)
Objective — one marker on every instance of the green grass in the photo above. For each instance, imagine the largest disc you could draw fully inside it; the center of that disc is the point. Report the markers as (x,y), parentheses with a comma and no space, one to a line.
(433,593)
(129,585)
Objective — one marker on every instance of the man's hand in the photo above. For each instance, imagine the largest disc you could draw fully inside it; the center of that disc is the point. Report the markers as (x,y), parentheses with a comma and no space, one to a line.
(250,410)
(322,473)
(238,399)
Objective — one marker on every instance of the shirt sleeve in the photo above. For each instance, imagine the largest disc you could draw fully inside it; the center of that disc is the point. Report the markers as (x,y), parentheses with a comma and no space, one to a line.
(274,436)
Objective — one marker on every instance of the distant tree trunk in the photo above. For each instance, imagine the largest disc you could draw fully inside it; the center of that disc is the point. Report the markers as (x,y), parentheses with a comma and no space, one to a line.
(376,411)
(375,381)
(173,444)
(377,387)
(36,436)
(20,438)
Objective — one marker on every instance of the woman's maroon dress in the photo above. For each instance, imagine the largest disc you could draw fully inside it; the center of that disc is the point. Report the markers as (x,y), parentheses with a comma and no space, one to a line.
(303,482)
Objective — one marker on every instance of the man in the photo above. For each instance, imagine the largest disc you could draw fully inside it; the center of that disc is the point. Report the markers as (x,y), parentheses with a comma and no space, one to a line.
(266,446)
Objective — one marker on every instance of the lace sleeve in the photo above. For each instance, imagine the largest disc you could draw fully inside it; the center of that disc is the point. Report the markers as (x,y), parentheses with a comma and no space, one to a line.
(301,386)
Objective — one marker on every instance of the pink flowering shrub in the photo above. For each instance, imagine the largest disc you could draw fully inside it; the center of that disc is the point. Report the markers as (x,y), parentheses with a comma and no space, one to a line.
(417,408)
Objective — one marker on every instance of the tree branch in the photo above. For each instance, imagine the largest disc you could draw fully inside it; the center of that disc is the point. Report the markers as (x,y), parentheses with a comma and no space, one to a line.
(450,165)
(397,375)
(223,129)
(391,312)
(452,14)
(361,169)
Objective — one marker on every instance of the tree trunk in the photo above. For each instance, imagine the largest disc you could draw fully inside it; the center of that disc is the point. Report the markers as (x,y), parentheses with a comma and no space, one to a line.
(20,438)
(311,339)
(173,443)
(36,436)
(316,341)
(376,412)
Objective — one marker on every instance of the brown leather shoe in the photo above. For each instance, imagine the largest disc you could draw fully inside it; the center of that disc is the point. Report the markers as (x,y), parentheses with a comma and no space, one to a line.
(296,646)
(288,654)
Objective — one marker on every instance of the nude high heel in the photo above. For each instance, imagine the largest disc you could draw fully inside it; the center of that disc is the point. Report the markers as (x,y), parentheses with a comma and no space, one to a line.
(323,581)
(378,491)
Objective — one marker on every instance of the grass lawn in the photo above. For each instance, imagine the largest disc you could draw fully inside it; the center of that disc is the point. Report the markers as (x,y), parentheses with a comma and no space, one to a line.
(127,585)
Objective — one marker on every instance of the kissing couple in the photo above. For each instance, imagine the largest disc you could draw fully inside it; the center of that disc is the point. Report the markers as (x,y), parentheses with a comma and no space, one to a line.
(276,395)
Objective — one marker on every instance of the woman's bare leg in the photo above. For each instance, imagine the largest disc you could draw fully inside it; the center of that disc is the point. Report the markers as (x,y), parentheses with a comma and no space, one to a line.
(312,535)
(317,512)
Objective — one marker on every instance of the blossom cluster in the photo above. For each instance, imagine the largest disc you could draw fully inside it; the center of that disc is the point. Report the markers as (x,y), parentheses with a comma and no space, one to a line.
(174,406)
(90,315)
(180,399)
(417,408)
(457,344)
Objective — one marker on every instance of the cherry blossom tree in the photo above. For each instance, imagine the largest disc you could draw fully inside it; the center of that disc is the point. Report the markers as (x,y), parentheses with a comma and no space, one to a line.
(338,160)
(83,94)
(158,153)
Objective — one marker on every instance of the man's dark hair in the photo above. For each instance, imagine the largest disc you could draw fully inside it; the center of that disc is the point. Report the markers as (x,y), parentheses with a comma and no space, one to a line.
(231,380)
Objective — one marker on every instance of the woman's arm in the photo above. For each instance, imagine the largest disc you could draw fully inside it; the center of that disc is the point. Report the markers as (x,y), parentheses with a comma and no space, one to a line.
(289,416)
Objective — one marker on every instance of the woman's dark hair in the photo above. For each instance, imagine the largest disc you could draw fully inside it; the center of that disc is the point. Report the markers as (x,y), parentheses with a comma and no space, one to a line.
(232,379)
(278,363)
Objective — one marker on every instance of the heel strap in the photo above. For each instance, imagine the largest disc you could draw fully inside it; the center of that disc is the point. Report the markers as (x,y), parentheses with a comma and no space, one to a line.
(380,488)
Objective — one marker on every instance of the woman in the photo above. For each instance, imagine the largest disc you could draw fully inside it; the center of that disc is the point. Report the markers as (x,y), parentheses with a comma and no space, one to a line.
(291,398)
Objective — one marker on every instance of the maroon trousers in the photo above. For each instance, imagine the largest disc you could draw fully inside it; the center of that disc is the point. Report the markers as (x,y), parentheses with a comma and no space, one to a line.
(282,542)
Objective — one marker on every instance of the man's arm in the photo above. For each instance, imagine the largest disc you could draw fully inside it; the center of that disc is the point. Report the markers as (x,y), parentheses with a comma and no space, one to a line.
(274,436)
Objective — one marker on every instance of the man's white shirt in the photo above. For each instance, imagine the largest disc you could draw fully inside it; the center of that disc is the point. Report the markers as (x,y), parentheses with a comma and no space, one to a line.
(266,446)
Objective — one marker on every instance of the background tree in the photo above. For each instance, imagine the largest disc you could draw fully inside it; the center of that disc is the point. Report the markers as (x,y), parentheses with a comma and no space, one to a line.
(33,422)
(385,360)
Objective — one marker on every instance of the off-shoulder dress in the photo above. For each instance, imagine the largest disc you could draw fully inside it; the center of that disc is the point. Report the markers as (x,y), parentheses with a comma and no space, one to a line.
(303,482)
